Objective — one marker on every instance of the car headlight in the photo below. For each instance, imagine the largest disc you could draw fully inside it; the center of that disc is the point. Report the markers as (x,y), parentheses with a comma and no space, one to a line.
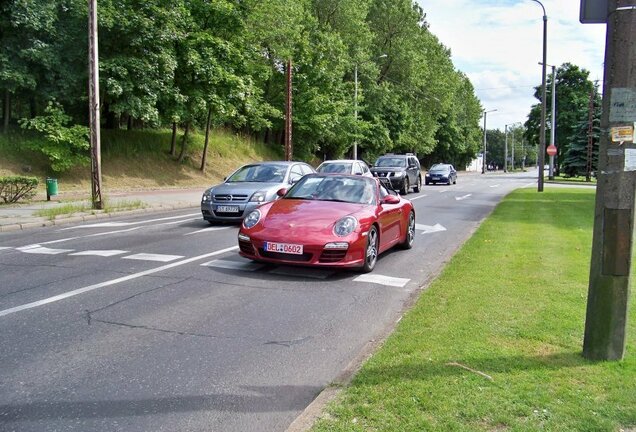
(207,196)
(398,174)
(345,226)
(258,197)
(428,175)
(252,219)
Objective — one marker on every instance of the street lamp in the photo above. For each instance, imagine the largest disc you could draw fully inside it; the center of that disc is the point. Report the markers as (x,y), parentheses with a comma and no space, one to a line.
(506,146)
(483,159)
(355,108)
(541,155)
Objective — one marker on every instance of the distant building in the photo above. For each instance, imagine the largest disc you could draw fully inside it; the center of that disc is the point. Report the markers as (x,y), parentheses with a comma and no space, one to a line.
(476,164)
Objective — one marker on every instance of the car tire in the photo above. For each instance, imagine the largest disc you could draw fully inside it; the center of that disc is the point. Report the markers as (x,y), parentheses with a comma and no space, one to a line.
(405,186)
(371,250)
(418,186)
(455,181)
(410,232)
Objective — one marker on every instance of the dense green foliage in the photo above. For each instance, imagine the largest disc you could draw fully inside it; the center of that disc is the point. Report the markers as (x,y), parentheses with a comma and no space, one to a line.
(14,188)
(573,92)
(222,62)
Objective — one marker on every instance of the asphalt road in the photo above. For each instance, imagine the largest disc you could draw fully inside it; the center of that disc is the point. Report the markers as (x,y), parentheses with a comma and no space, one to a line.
(154,323)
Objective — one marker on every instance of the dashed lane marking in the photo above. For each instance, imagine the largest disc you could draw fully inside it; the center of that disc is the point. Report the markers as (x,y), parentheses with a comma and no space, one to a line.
(426,229)
(153,257)
(418,197)
(234,265)
(494,186)
(121,224)
(382,280)
(37,249)
(102,253)
(208,229)
(112,282)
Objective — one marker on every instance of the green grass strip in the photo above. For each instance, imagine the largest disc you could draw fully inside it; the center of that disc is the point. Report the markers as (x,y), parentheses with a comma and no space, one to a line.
(495,343)
(74,208)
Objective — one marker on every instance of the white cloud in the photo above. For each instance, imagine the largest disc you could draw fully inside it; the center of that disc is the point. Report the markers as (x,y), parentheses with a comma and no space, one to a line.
(499,43)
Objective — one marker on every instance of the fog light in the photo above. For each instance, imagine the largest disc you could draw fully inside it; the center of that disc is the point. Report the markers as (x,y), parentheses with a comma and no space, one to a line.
(243,237)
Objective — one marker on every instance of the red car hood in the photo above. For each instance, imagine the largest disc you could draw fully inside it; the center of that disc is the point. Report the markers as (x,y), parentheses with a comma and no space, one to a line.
(292,214)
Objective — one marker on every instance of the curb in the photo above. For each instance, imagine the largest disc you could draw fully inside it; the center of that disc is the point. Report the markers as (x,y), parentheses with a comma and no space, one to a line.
(84,217)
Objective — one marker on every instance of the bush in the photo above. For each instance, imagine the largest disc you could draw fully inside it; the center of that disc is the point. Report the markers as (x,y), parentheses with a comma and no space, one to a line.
(16,187)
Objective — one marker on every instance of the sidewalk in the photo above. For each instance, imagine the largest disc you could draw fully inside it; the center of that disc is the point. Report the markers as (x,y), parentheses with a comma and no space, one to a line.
(20,216)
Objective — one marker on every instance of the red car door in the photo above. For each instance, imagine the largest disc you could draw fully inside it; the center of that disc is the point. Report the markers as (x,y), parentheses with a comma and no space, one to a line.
(389,216)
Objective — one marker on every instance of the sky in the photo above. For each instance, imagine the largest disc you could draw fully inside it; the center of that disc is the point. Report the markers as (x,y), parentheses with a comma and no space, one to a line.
(498,44)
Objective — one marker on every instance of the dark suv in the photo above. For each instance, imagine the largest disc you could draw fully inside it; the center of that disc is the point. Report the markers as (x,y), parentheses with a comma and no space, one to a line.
(403,171)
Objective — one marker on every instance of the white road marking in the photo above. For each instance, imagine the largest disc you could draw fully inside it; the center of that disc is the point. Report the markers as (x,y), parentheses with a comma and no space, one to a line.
(111,282)
(153,257)
(427,229)
(443,191)
(382,280)
(306,272)
(119,224)
(102,253)
(208,229)
(5,247)
(529,185)
(418,197)
(37,249)
(493,186)
(180,221)
(234,265)
(463,197)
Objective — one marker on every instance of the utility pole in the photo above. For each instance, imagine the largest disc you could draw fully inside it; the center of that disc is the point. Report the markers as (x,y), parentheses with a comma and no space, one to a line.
(355,112)
(288,114)
(607,303)
(506,149)
(553,123)
(93,106)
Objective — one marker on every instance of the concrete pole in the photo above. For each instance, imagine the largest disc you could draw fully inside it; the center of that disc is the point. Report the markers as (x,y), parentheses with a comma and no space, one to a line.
(355,113)
(506,149)
(483,159)
(93,107)
(541,152)
(610,269)
(553,122)
(288,114)
(512,150)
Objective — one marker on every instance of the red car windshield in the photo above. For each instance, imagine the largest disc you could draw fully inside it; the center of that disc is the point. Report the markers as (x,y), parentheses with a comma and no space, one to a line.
(355,190)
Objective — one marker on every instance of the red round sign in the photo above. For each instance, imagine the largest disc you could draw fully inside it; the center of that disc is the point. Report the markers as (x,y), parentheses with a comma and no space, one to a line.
(551,150)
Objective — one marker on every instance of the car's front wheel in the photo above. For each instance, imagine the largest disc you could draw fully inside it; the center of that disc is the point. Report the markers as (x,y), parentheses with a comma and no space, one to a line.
(405,186)
(371,251)
(410,232)
(418,186)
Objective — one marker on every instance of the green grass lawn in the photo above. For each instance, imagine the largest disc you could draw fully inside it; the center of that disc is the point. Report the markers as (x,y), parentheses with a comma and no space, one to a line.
(495,343)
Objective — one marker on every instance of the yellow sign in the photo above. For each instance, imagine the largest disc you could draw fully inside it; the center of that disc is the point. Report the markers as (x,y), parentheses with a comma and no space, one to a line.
(622,134)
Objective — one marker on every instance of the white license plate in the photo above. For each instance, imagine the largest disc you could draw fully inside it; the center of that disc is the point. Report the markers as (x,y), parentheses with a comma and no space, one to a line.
(294,249)
(227,209)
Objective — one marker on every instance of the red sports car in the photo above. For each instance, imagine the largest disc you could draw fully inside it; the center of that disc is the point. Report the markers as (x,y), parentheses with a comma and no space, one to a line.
(328,220)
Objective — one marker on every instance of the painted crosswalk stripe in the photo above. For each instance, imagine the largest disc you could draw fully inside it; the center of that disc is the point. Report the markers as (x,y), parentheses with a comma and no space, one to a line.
(382,280)
(37,249)
(102,253)
(234,265)
(208,229)
(153,257)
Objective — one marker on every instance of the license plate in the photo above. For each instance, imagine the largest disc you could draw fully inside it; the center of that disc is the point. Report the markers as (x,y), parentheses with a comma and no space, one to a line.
(294,249)
(227,209)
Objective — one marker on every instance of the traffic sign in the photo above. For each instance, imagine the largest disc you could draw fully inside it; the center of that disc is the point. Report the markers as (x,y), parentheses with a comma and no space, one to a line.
(551,150)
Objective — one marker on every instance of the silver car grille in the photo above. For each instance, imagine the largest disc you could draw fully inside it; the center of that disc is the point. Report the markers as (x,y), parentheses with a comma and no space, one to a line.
(230,198)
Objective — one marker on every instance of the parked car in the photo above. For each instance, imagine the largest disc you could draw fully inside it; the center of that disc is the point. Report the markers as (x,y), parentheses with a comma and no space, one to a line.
(248,187)
(328,220)
(402,170)
(344,166)
(441,173)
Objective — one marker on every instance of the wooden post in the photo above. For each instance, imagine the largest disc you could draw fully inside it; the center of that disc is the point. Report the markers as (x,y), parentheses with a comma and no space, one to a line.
(93,103)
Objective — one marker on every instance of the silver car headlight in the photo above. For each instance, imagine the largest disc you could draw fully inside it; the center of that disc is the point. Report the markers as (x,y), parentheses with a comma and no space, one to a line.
(259,196)
(398,174)
(207,196)
(345,226)
(252,219)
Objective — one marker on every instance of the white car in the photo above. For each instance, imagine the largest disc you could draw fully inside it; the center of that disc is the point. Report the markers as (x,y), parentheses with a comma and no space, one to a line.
(344,166)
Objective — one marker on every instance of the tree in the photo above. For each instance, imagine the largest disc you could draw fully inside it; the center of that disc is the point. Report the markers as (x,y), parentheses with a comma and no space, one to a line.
(575,160)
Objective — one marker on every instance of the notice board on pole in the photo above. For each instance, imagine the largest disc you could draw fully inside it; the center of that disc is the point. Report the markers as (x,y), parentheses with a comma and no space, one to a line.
(593,12)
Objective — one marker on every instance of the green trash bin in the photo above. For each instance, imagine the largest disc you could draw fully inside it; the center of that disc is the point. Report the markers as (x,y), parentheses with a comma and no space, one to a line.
(51,187)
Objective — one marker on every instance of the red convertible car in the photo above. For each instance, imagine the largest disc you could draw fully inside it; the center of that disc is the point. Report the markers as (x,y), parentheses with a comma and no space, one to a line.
(328,220)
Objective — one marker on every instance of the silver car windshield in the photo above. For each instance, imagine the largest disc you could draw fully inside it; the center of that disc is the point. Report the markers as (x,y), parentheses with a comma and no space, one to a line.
(335,167)
(266,173)
(357,190)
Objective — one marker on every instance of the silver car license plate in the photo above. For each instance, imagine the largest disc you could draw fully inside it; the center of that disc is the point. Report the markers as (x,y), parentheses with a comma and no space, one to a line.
(227,209)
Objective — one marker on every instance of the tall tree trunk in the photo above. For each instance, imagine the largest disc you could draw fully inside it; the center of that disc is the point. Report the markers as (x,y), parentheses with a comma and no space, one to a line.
(207,140)
(6,111)
(173,143)
(184,143)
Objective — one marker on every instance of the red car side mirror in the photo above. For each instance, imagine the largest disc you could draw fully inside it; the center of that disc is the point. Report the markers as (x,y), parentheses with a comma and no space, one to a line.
(281,192)
(391,199)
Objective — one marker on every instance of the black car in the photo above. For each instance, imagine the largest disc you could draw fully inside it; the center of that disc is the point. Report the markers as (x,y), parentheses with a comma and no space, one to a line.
(403,171)
(441,173)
